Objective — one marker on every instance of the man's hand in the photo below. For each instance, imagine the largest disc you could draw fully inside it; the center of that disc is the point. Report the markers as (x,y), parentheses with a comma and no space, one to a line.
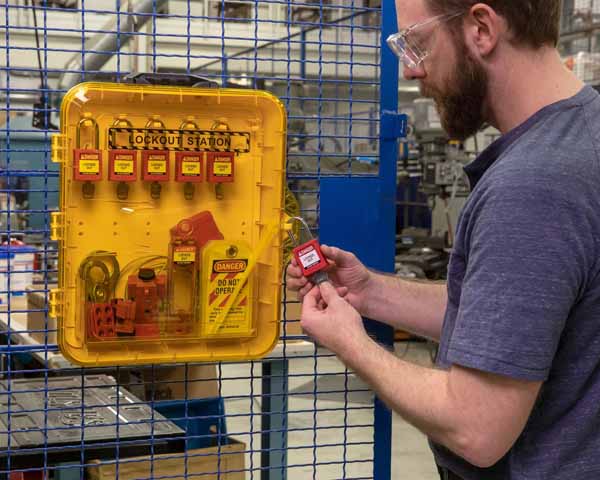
(331,320)
(346,273)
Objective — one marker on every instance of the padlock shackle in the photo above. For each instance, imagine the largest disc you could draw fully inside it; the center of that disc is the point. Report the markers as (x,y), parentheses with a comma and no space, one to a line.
(186,122)
(217,123)
(304,224)
(96,131)
(120,121)
(154,119)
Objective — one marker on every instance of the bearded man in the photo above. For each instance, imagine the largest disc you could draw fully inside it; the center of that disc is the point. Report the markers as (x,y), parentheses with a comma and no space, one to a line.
(516,394)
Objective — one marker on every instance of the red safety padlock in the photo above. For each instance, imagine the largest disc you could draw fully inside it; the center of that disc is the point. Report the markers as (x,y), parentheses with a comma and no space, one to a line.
(155,169)
(188,167)
(219,170)
(87,156)
(308,254)
(220,167)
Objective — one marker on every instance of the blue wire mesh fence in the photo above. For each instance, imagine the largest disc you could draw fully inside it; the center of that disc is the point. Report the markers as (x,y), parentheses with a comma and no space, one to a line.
(297,414)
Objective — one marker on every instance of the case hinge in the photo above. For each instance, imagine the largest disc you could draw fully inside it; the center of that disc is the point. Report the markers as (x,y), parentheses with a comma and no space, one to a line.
(55,303)
(56,226)
(59,148)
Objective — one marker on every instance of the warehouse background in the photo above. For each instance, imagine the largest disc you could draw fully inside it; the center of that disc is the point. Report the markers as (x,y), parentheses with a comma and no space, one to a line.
(297,414)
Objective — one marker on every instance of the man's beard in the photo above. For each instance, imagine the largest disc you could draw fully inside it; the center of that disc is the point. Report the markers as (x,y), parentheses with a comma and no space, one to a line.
(460,104)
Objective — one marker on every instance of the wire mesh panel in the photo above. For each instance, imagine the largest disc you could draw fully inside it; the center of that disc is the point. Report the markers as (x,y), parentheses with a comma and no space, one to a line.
(297,414)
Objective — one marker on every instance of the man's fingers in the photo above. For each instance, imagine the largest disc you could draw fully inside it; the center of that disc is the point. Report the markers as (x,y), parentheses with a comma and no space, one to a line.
(328,292)
(305,289)
(294,271)
(342,291)
(311,300)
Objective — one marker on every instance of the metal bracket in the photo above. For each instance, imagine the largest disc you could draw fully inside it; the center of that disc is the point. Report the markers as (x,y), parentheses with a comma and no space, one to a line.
(393,125)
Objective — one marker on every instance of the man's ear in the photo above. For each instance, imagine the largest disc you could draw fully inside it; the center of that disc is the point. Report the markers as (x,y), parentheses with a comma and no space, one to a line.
(483,28)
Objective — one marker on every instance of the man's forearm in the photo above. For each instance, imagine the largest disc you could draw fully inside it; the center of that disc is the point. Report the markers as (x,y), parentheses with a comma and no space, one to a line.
(419,394)
(475,414)
(417,307)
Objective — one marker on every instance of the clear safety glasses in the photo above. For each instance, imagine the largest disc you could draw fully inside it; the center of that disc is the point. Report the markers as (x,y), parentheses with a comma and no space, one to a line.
(407,48)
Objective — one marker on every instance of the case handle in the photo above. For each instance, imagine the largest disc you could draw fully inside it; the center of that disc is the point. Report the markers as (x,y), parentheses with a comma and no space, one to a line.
(171,79)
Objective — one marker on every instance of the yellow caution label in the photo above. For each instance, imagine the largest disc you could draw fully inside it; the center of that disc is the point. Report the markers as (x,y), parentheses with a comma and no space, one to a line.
(157,166)
(221,280)
(89,167)
(222,168)
(124,166)
(184,255)
(191,167)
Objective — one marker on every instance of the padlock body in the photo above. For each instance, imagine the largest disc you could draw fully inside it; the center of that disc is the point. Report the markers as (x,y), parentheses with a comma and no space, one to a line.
(155,165)
(220,167)
(122,165)
(309,258)
(188,167)
(87,164)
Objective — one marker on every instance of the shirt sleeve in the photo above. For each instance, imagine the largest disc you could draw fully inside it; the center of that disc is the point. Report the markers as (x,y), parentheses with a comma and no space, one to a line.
(527,253)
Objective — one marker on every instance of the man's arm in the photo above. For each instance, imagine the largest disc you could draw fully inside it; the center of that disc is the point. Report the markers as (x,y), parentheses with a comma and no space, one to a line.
(476,415)
(415,306)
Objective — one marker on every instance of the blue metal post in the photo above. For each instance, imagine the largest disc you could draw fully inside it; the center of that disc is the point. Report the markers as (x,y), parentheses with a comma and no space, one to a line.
(388,154)
(274,419)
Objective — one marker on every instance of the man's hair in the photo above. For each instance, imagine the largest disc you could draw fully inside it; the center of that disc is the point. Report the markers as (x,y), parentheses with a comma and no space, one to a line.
(533,23)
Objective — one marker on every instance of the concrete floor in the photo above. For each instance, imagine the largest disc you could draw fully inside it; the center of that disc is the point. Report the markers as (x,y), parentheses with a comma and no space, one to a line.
(330,421)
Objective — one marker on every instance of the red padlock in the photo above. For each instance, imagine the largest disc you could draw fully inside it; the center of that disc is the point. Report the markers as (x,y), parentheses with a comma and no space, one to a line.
(155,165)
(122,165)
(87,156)
(87,161)
(155,169)
(188,167)
(308,254)
(309,257)
(220,167)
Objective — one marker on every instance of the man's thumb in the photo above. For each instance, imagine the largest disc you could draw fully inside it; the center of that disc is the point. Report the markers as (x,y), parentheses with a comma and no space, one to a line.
(328,292)
(338,255)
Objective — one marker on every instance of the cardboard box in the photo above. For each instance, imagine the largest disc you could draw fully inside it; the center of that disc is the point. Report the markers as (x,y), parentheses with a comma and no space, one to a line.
(36,320)
(293,309)
(169,383)
(224,463)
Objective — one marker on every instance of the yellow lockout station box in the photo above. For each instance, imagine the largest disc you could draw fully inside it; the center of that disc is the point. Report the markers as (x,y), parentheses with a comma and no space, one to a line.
(171,224)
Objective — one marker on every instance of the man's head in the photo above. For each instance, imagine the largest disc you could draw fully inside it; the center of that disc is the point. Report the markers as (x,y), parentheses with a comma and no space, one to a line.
(456,40)
(532,23)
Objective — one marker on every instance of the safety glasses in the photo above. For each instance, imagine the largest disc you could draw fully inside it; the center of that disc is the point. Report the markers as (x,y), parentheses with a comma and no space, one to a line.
(407,48)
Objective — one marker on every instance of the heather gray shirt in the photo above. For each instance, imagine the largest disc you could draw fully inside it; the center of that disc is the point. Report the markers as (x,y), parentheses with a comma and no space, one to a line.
(524,287)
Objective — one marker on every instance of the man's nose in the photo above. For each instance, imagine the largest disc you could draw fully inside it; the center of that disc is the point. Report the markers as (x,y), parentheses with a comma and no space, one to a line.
(413,73)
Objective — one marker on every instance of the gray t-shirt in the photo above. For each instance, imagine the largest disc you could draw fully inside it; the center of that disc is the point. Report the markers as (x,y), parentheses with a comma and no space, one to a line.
(524,287)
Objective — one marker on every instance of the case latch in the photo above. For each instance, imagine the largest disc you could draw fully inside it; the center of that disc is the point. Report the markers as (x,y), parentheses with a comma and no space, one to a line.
(56,226)
(55,303)
(59,147)
(393,125)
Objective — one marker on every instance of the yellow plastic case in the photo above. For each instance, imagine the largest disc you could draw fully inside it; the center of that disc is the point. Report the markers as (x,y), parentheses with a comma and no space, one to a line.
(171,224)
